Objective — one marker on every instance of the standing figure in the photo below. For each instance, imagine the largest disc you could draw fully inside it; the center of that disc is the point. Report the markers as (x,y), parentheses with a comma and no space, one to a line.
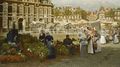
(90,40)
(49,43)
(12,37)
(110,35)
(115,37)
(42,36)
(68,43)
(96,39)
(83,43)
(103,37)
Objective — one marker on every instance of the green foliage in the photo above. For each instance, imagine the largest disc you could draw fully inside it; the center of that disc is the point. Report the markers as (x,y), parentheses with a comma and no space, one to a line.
(62,50)
(56,12)
(5,46)
(77,11)
(110,14)
(67,12)
(7,49)
(38,49)
(27,38)
(84,14)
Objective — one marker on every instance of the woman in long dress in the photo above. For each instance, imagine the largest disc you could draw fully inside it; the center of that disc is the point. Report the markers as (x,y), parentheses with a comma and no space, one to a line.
(83,44)
(115,37)
(90,41)
(97,42)
(102,37)
(90,47)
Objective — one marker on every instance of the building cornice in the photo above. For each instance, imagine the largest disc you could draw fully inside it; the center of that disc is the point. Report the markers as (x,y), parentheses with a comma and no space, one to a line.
(28,3)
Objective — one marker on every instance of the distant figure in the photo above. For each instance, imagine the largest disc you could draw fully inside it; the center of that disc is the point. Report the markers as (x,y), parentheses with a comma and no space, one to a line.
(20,24)
(68,43)
(103,37)
(42,36)
(115,37)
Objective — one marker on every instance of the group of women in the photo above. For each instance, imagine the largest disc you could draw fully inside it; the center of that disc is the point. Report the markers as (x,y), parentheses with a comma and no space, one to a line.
(91,40)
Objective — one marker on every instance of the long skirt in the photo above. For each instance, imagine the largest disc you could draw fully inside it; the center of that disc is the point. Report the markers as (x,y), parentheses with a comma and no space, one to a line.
(90,47)
(98,46)
(83,50)
(115,40)
(102,40)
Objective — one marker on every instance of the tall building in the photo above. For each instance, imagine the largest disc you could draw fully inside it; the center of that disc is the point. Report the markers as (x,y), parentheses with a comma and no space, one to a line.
(28,10)
(67,13)
(117,14)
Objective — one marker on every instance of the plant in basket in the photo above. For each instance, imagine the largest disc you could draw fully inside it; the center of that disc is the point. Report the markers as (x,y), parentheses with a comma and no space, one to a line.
(10,54)
(36,50)
(62,50)
(4,49)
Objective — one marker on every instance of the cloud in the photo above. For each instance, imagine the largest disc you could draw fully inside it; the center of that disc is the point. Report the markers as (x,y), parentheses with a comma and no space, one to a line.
(88,4)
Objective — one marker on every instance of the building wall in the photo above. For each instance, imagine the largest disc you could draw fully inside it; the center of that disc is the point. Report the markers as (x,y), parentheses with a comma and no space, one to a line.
(117,15)
(29,10)
(70,17)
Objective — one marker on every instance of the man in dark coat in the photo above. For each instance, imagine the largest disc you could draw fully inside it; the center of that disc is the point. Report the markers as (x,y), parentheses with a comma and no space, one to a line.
(68,43)
(42,37)
(12,37)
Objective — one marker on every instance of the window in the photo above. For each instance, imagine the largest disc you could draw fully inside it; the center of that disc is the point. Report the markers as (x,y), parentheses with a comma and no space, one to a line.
(18,10)
(10,9)
(1,8)
(1,22)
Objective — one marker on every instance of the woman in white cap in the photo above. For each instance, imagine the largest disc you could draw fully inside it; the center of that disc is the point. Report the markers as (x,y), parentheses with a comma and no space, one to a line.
(83,43)
(49,43)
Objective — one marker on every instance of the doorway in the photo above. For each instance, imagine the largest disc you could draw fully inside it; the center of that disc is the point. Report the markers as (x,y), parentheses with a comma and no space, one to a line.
(20,24)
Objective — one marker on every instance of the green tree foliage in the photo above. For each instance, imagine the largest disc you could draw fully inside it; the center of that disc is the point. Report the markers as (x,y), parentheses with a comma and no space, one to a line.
(84,14)
(56,12)
(77,11)
(67,12)
(109,13)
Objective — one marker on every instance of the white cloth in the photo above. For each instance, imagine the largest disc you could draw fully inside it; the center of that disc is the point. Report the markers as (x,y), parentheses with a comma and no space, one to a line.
(90,47)
(102,39)
(116,40)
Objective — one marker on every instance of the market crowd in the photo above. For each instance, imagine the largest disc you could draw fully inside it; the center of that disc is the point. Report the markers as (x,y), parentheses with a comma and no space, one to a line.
(90,40)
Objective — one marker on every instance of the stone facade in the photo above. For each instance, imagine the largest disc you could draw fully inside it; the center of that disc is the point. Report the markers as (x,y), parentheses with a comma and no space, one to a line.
(117,14)
(72,16)
(27,10)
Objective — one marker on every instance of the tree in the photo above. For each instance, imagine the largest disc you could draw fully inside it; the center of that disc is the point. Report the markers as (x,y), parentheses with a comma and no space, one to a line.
(56,12)
(84,14)
(67,13)
(110,13)
(77,11)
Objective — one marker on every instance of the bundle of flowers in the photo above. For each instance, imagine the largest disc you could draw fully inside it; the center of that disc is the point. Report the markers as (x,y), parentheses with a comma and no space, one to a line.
(37,50)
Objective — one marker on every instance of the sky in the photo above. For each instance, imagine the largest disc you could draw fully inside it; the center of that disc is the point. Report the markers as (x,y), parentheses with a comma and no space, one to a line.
(87,4)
